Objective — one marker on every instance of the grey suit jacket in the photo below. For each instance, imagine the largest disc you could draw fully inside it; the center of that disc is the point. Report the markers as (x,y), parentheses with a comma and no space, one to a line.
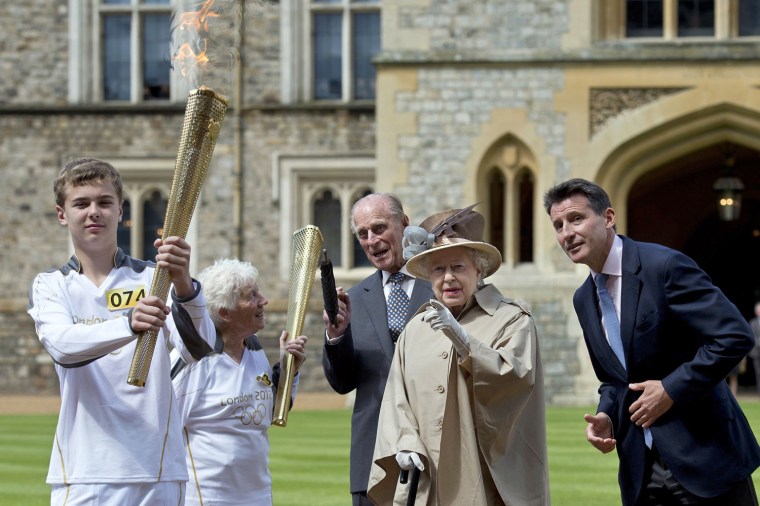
(361,360)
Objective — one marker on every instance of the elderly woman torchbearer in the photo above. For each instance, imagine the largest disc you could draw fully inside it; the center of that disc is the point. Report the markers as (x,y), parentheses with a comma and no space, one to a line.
(464,401)
(227,398)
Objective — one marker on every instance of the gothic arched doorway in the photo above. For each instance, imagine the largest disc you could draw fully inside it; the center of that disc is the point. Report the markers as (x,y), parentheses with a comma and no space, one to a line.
(675,205)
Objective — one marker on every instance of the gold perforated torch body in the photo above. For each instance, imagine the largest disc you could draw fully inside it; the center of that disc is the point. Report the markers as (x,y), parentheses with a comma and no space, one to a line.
(306,250)
(203,119)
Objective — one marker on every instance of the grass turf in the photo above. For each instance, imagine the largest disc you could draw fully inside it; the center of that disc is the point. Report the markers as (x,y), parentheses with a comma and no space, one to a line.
(309,459)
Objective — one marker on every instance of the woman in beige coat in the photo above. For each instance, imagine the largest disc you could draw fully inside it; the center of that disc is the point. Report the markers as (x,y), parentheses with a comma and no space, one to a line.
(464,401)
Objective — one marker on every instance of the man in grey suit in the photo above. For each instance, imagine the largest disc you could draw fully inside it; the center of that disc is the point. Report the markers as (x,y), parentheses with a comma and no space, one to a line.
(358,351)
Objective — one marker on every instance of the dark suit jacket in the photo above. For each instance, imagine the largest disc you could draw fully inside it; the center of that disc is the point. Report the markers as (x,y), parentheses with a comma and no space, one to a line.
(361,360)
(679,328)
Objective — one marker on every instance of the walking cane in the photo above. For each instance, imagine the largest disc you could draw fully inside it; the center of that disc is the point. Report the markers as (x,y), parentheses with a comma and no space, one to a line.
(404,477)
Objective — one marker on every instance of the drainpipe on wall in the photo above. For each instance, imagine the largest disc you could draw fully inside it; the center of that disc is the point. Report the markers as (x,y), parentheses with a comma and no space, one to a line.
(237,148)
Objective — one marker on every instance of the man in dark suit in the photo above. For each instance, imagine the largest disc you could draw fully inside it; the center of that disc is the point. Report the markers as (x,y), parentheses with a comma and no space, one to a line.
(662,339)
(359,350)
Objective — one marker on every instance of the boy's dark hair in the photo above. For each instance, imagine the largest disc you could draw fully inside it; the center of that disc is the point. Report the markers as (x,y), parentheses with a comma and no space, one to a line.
(597,197)
(81,171)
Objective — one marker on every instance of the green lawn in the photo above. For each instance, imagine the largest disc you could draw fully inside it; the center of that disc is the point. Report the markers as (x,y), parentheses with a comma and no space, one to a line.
(309,459)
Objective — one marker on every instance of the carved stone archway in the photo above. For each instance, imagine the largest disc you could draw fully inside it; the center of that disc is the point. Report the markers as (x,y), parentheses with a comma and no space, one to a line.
(661,186)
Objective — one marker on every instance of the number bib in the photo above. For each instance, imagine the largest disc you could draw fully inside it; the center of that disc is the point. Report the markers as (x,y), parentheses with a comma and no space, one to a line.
(123,298)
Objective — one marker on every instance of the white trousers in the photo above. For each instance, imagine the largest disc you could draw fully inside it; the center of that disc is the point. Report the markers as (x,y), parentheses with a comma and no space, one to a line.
(164,493)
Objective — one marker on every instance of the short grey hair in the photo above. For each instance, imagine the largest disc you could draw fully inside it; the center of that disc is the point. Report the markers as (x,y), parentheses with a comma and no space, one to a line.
(222,284)
(394,207)
(481,263)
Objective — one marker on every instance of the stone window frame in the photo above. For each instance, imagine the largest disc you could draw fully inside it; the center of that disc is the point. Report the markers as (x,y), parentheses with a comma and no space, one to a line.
(299,180)
(512,161)
(296,60)
(612,23)
(140,178)
(85,52)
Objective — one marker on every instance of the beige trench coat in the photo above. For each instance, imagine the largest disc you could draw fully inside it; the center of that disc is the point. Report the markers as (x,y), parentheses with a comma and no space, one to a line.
(479,423)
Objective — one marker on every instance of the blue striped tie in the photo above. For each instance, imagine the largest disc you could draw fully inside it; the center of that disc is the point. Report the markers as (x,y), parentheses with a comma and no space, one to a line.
(610,318)
(612,324)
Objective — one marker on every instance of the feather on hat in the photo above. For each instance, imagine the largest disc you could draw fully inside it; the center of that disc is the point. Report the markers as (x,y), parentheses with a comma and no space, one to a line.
(447,229)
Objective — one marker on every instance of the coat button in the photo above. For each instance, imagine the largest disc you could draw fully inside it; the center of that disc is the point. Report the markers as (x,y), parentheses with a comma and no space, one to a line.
(445,354)
(440,389)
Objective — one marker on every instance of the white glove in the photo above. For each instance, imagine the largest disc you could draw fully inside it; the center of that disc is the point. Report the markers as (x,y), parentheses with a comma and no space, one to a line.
(407,460)
(440,318)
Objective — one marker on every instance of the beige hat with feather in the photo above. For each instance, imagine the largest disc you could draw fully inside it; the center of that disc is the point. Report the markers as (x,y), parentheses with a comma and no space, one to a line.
(447,229)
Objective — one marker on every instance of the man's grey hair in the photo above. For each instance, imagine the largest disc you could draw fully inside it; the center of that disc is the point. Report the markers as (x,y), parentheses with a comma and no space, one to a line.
(393,207)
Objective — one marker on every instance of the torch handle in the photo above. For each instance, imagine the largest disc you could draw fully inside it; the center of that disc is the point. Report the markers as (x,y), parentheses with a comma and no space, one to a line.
(138,372)
(146,341)
(282,401)
(288,372)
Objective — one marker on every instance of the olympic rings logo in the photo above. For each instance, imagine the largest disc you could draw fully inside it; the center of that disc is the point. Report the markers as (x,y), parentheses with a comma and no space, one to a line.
(250,414)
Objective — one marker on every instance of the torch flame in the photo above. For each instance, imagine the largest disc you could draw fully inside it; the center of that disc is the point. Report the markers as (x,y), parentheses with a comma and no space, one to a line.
(186,59)
(198,20)
(196,24)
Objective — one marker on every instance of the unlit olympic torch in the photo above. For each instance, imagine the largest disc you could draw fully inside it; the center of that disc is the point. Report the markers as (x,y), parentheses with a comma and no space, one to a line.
(203,119)
(305,253)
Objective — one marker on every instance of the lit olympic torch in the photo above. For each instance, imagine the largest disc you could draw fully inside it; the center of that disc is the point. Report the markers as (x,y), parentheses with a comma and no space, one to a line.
(204,113)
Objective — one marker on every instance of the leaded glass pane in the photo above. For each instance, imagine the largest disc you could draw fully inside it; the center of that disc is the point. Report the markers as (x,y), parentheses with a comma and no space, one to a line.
(366,43)
(328,56)
(696,18)
(525,228)
(360,258)
(156,34)
(497,188)
(643,18)
(116,57)
(749,17)
(154,211)
(327,217)
(124,230)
